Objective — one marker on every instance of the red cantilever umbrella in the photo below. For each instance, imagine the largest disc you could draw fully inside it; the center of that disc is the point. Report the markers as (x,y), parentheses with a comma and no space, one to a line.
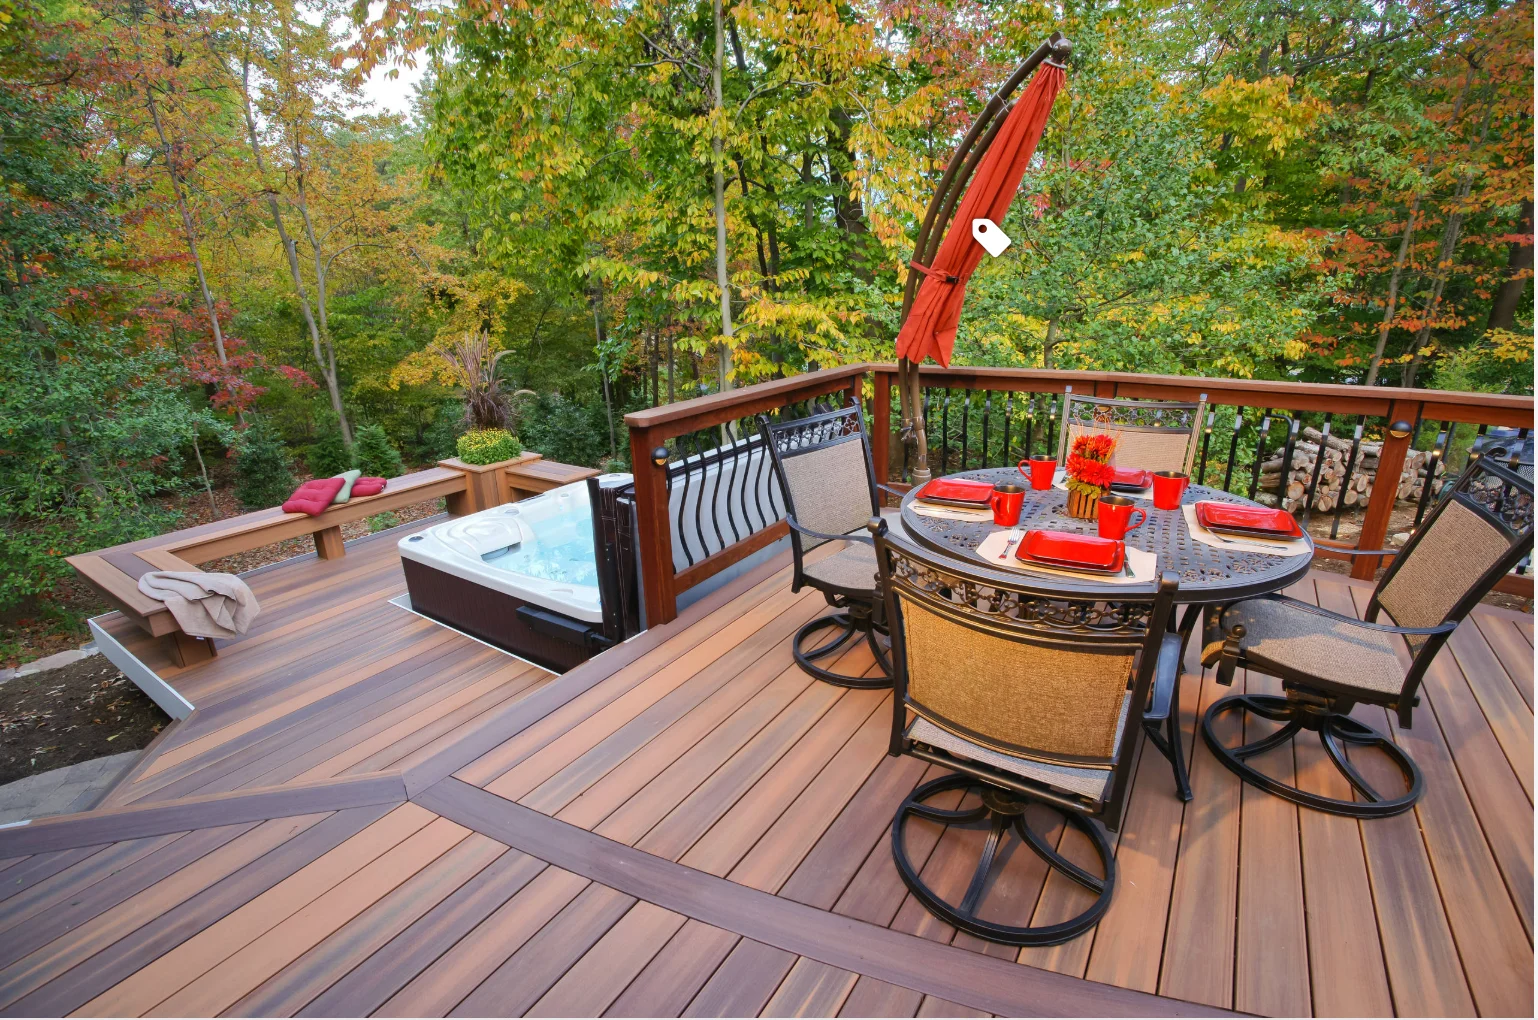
(930,328)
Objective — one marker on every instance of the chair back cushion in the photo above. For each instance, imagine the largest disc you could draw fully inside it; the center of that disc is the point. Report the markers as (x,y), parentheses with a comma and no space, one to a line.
(1049,702)
(828,487)
(1149,449)
(1457,547)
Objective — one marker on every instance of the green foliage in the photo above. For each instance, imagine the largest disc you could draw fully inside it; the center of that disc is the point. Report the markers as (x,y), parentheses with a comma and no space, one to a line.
(262,468)
(488,446)
(328,455)
(440,440)
(91,423)
(376,456)
(565,430)
(383,522)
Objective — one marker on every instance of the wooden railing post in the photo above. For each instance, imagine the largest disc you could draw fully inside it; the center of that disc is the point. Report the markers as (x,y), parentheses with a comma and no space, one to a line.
(653,533)
(881,424)
(1385,489)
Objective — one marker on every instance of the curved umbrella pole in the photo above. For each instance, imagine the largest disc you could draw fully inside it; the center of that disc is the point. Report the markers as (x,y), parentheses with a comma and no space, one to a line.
(953,184)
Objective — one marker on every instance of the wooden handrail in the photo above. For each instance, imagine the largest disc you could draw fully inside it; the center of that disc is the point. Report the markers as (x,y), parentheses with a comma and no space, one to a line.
(1500,409)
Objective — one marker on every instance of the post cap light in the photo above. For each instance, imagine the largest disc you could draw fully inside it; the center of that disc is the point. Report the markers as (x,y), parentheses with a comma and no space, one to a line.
(1400,429)
(660,456)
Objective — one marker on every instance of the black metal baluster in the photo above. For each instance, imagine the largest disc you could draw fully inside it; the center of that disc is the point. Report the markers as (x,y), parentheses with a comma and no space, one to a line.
(1438,451)
(966,425)
(1009,410)
(699,501)
(1030,425)
(1233,449)
(737,479)
(987,413)
(1049,438)
(1313,484)
(683,498)
(945,432)
(1292,440)
(758,483)
(1260,451)
(1201,470)
(1346,486)
(731,519)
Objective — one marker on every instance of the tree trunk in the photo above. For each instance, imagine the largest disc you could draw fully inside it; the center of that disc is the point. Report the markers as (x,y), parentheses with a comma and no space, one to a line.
(329,366)
(187,228)
(595,299)
(1049,343)
(723,367)
(1393,292)
(290,248)
(1444,262)
(1519,269)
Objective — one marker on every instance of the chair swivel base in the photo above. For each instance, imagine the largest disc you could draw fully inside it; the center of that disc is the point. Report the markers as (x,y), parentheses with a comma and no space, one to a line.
(1004,813)
(851,627)
(1334,730)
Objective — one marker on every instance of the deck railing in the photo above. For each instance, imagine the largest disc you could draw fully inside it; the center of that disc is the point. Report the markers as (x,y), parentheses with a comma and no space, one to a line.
(704,489)
(705,496)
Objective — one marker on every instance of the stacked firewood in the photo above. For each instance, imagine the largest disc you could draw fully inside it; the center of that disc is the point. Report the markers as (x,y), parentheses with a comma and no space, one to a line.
(1334,488)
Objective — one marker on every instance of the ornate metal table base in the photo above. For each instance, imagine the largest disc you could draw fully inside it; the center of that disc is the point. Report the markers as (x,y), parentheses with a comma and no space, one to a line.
(854,623)
(1005,814)
(1334,729)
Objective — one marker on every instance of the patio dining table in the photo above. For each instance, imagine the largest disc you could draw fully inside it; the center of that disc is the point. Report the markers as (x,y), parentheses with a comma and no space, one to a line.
(1207,573)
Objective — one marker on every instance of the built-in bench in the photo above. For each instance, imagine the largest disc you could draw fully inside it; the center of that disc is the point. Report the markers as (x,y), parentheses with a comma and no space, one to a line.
(115,572)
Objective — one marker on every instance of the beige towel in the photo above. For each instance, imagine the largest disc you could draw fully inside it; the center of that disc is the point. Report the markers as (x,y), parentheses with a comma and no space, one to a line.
(204,605)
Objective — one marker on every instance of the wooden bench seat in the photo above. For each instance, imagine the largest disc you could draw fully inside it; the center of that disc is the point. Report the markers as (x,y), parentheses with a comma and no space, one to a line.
(536,476)
(115,572)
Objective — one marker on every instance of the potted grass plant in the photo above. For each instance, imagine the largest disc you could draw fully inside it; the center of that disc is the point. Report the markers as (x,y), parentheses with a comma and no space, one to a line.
(1089,473)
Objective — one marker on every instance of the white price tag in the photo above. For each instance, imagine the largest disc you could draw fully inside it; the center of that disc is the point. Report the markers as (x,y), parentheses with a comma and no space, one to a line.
(988,234)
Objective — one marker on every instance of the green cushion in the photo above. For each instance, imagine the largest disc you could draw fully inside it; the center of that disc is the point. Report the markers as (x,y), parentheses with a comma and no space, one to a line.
(347,477)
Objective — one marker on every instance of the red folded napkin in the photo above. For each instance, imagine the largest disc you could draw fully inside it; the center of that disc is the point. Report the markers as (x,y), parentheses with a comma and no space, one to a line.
(369,486)
(314,496)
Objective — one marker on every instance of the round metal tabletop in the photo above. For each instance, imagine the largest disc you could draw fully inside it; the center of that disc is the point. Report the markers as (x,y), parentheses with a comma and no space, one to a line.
(1207,573)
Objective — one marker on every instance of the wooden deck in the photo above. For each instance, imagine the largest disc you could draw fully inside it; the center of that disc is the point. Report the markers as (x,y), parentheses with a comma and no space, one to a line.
(368,815)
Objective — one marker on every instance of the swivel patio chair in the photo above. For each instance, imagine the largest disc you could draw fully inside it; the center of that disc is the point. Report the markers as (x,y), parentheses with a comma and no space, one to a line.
(824,468)
(1329,663)
(1035,699)
(1157,435)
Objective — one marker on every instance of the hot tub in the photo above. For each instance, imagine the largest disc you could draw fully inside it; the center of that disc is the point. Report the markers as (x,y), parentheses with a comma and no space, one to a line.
(522,576)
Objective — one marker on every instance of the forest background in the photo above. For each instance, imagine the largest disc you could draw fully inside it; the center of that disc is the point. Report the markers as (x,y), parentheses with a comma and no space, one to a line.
(218,258)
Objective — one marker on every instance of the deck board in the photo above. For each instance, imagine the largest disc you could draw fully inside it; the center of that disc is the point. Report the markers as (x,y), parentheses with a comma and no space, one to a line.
(702,829)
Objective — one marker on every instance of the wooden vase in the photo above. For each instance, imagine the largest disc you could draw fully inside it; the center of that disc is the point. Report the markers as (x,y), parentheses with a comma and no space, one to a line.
(1083,505)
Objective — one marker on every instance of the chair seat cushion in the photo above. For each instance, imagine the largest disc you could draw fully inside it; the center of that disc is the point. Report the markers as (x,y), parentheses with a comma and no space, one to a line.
(1082,782)
(852,568)
(1342,654)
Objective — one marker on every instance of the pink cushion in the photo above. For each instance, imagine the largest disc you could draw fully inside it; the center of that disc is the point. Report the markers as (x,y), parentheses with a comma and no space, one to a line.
(313,497)
(368,486)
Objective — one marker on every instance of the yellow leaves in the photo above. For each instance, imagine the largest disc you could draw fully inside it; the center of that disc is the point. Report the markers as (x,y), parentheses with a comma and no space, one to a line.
(1295,350)
(1509,346)
(1261,116)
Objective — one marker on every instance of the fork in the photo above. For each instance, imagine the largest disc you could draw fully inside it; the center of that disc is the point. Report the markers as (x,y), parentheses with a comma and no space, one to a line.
(1010,544)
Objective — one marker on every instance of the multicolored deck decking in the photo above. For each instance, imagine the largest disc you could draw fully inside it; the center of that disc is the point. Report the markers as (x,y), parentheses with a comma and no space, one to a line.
(369,814)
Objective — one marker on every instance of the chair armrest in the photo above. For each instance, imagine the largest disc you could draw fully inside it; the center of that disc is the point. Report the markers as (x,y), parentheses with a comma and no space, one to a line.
(1344,551)
(809,533)
(891,491)
(1383,628)
(1166,676)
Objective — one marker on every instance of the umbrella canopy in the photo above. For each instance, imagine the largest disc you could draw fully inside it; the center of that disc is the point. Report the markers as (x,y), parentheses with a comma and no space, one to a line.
(930,329)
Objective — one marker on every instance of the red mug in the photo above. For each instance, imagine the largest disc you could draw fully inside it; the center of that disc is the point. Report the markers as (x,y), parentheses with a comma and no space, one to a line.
(1043,468)
(1007,501)
(1116,516)
(1168,487)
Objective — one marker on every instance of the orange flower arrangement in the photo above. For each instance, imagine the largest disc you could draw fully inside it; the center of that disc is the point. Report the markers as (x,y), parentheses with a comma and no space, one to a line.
(1089,464)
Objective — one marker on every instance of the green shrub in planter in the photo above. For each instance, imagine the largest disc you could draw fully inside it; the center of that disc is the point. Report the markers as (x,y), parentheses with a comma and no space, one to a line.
(376,456)
(261,467)
(487,446)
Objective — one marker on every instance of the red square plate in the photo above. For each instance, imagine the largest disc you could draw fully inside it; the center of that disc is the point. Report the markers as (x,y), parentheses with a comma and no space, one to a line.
(1075,552)
(1261,521)
(1131,478)
(957,491)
